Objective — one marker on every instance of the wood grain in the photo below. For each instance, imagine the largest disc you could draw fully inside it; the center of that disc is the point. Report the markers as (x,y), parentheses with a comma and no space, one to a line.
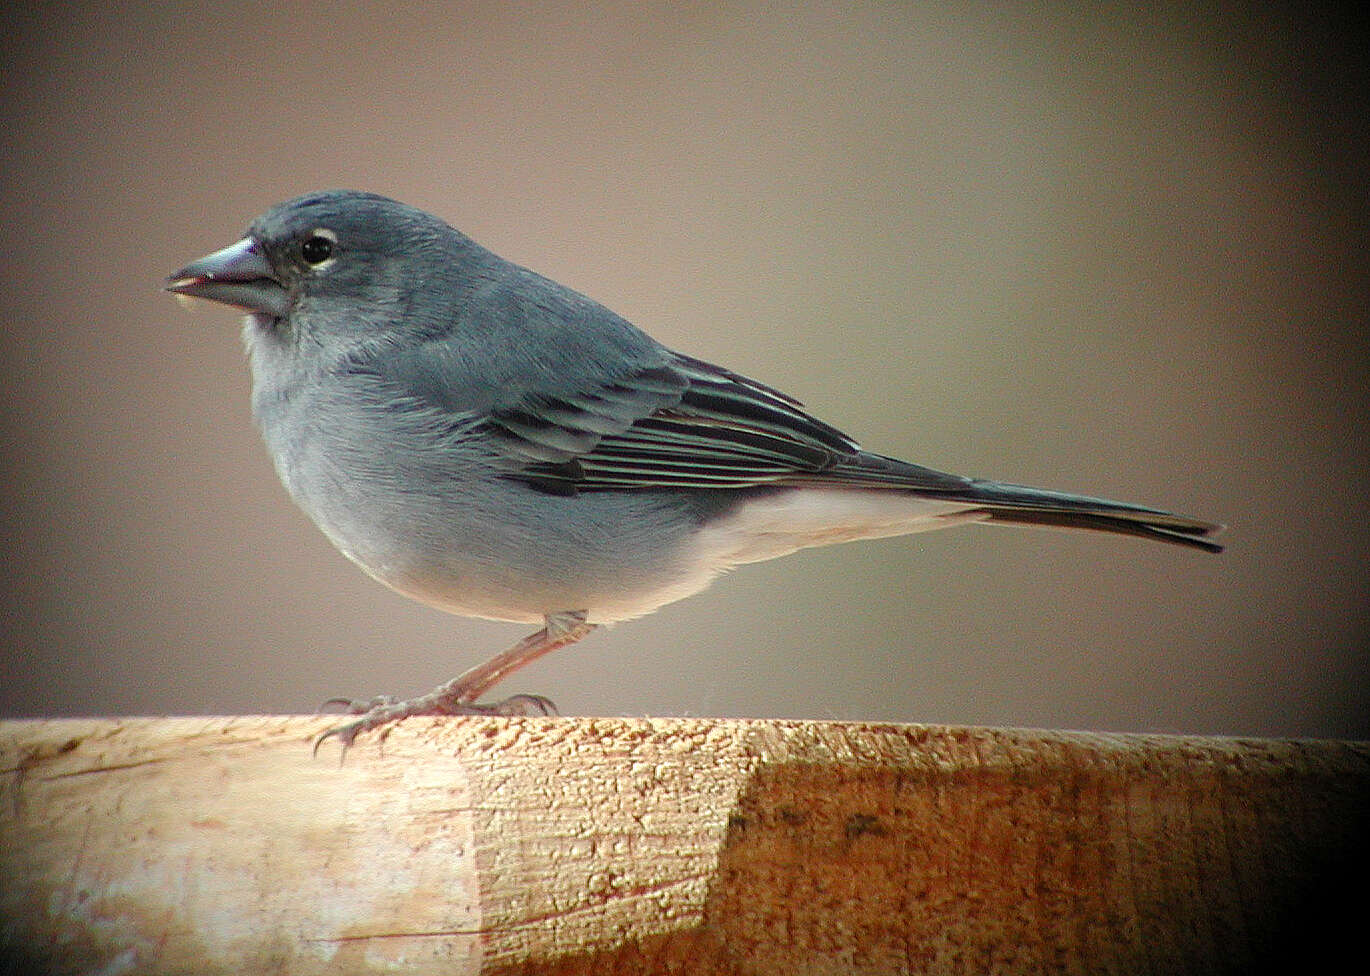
(221,845)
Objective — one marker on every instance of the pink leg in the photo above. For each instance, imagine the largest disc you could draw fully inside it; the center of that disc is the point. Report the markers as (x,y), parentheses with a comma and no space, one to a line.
(460,695)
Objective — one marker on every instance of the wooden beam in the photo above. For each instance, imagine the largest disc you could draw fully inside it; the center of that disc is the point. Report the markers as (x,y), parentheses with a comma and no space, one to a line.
(221,845)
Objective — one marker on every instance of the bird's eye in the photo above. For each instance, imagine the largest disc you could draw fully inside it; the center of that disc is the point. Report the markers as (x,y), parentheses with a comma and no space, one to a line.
(316,249)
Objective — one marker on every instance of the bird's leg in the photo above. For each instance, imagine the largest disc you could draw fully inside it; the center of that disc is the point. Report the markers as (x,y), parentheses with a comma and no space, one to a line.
(459,696)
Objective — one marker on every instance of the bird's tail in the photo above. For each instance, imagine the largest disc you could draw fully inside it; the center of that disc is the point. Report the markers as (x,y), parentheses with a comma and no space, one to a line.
(1021,505)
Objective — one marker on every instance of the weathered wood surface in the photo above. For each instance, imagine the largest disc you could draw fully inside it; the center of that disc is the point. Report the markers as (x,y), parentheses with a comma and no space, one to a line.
(221,845)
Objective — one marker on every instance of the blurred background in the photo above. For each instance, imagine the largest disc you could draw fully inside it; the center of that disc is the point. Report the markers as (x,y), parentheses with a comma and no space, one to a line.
(1096,248)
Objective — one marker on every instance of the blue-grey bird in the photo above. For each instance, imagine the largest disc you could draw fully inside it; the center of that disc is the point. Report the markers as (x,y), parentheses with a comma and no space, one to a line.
(497,445)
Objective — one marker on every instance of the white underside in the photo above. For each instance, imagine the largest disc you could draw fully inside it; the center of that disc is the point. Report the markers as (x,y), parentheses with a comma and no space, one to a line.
(781,524)
(762,529)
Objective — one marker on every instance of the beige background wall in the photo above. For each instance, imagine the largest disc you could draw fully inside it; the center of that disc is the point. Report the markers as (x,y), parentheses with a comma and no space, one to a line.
(1119,252)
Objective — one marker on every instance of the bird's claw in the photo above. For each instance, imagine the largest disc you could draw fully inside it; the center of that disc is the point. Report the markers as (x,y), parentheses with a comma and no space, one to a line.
(383,711)
(523,704)
(360,706)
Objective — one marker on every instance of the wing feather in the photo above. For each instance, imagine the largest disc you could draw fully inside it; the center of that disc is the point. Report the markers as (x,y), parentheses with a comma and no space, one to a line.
(687,424)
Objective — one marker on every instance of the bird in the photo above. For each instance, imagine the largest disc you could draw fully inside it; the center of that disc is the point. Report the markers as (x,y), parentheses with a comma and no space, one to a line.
(494,444)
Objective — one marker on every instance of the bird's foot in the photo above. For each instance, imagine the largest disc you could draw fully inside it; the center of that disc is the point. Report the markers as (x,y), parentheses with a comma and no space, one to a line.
(459,696)
(383,711)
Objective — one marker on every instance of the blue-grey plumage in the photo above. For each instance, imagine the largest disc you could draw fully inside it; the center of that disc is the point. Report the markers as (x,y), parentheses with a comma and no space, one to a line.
(498,445)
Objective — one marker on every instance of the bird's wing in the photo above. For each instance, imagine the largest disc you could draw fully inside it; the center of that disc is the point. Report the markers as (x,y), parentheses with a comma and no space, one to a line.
(687,424)
(691,424)
(679,422)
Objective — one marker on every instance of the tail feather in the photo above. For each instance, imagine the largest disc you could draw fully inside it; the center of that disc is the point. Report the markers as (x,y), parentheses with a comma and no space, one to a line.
(1020,505)
(1016,504)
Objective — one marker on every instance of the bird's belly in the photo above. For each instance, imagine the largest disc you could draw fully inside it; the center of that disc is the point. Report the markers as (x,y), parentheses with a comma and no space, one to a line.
(483,546)
(604,601)
(637,557)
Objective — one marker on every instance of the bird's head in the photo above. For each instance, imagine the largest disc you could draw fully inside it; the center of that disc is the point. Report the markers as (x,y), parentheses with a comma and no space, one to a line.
(329,267)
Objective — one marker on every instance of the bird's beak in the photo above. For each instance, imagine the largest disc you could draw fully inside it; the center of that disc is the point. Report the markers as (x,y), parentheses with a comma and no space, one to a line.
(239,275)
